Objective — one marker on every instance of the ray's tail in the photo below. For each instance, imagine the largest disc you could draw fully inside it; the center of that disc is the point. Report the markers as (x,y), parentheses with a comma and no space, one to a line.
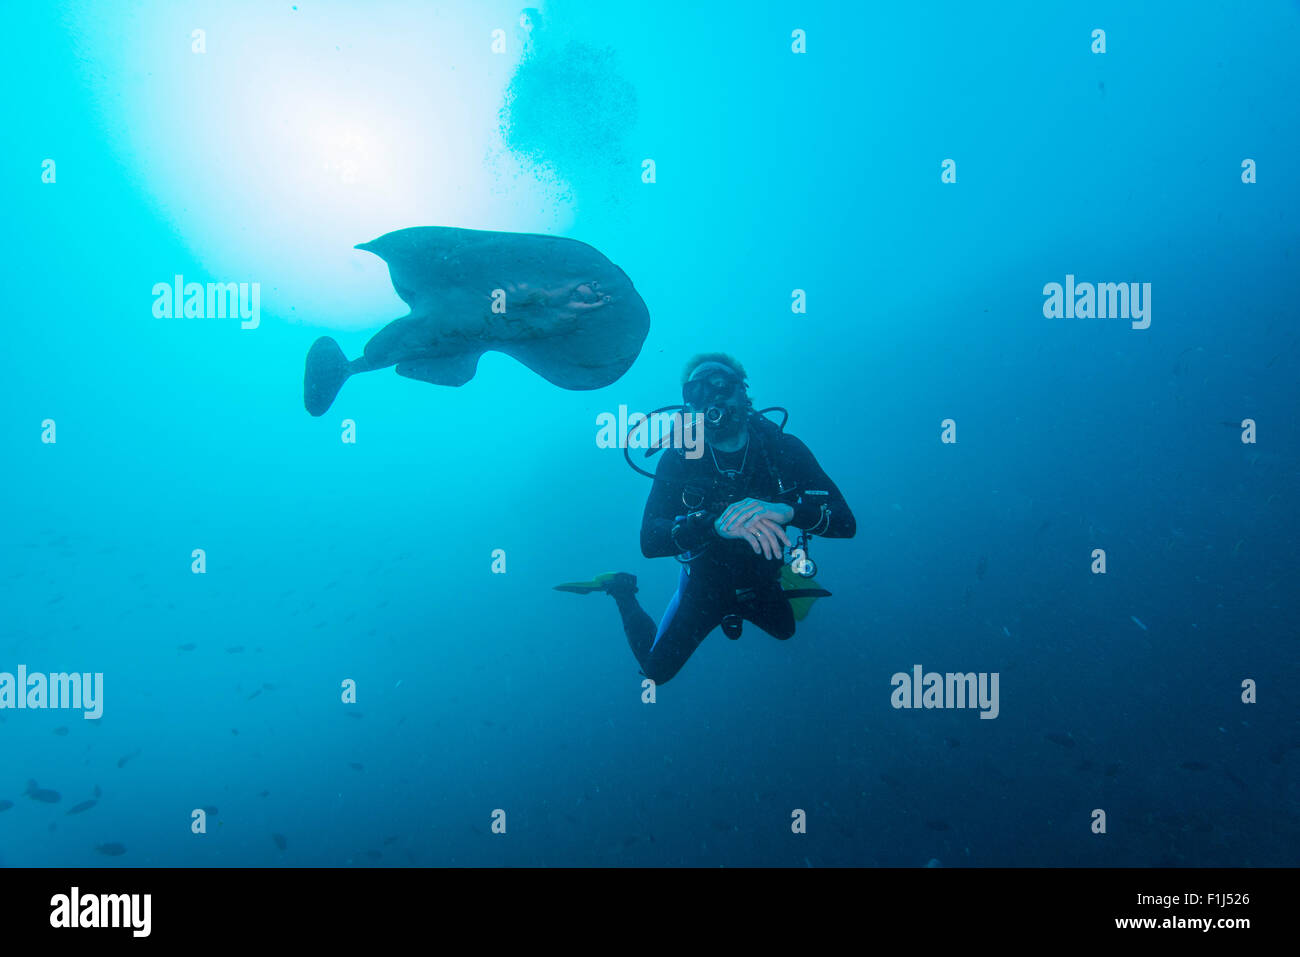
(327,369)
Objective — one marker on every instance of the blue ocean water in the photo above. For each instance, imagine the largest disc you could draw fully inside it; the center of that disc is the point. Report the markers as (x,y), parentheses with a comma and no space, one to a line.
(264,146)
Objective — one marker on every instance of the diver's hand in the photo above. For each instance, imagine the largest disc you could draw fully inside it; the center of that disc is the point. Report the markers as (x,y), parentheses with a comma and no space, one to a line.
(751,509)
(758,523)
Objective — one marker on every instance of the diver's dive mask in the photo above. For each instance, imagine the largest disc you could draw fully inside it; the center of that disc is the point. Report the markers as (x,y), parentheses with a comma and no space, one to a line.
(708,394)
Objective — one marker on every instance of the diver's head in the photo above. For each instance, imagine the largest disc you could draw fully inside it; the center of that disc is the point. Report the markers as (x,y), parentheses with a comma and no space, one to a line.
(713,384)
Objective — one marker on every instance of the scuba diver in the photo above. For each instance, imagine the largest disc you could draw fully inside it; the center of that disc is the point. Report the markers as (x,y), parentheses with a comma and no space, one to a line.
(727,516)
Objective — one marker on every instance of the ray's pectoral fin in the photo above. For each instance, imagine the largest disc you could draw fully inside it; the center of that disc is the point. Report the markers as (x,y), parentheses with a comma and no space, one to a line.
(443,370)
(406,343)
(398,340)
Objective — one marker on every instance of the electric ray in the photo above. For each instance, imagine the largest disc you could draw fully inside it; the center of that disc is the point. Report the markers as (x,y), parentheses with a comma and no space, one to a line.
(556,305)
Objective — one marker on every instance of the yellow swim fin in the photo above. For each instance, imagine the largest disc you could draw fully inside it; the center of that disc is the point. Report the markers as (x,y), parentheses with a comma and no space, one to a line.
(620,580)
(586,588)
(801,592)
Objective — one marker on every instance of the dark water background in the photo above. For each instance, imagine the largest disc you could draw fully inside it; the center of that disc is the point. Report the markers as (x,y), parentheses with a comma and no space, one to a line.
(775,171)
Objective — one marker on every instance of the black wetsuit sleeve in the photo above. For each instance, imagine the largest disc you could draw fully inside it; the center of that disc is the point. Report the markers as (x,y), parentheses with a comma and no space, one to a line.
(813,479)
(662,509)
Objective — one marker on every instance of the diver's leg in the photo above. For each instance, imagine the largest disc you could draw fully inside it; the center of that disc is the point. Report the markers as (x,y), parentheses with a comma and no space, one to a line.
(695,610)
(637,625)
(771,611)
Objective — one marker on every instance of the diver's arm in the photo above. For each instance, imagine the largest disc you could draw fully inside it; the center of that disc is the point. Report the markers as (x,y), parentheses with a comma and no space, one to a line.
(827,515)
(661,533)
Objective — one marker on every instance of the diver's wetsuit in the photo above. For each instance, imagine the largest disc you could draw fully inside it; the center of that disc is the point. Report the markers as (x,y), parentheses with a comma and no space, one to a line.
(724,576)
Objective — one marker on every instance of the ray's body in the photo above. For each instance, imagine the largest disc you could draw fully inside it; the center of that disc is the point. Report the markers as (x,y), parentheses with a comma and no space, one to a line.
(556,305)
